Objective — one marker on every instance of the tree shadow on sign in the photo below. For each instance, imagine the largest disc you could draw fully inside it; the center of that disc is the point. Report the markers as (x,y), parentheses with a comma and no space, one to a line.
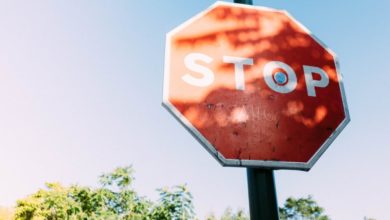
(258,123)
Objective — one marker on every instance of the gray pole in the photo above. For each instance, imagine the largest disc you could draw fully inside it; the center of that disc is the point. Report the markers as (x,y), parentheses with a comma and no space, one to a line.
(261,185)
(262,194)
(248,2)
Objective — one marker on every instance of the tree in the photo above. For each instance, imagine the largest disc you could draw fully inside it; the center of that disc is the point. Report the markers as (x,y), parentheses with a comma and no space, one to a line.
(293,209)
(114,199)
(230,215)
(302,209)
(174,204)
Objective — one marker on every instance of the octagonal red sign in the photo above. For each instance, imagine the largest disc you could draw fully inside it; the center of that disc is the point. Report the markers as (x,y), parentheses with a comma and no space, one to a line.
(254,86)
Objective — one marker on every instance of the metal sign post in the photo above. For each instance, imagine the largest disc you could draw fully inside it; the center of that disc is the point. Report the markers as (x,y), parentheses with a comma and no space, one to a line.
(262,194)
(248,2)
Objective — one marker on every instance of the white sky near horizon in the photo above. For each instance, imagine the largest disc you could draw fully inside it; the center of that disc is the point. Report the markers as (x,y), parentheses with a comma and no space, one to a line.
(81,92)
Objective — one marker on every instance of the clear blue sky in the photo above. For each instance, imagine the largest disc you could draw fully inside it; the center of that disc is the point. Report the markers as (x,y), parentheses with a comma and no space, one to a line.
(81,92)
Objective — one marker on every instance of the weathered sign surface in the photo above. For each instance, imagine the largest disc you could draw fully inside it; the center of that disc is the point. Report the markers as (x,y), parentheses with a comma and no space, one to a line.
(254,86)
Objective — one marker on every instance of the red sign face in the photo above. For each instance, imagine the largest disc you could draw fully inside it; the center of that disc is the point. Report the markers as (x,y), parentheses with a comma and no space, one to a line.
(254,86)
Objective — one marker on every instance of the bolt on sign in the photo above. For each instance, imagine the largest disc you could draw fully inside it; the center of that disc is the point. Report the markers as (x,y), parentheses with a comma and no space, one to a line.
(254,86)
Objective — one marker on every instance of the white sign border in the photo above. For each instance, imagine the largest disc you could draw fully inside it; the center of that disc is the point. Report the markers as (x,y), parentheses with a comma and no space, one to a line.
(250,163)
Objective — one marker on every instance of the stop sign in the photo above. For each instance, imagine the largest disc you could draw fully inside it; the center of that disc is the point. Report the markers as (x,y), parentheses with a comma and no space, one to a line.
(254,86)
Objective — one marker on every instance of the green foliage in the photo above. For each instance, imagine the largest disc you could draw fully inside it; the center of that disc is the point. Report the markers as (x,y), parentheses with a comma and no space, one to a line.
(175,204)
(121,177)
(302,209)
(114,199)
(293,209)
(230,215)
(211,216)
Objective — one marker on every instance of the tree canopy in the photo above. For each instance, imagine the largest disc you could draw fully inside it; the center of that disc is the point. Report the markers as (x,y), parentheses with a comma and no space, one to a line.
(114,199)
(302,209)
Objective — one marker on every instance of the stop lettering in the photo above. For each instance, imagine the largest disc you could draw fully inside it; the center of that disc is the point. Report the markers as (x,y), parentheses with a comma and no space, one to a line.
(283,81)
